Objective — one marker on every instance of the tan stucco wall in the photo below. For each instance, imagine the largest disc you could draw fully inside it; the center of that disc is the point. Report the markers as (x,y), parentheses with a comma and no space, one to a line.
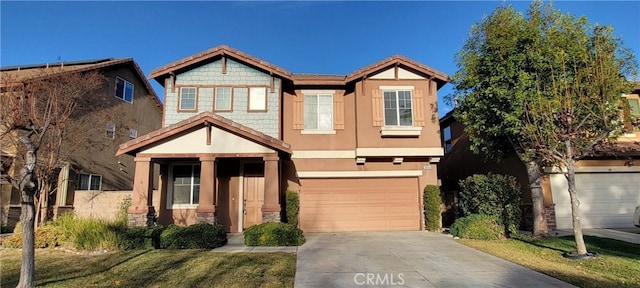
(103,204)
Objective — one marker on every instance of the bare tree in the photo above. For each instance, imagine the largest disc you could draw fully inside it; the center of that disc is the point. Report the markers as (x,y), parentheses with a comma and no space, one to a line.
(39,117)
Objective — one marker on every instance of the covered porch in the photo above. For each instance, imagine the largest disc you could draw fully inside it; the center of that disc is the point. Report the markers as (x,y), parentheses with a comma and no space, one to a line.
(212,170)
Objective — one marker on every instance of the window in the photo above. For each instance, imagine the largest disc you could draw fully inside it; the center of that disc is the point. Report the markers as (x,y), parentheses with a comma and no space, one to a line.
(257,99)
(187,98)
(634,107)
(223,99)
(397,108)
(89,182)
(124,90)
(111,130)
(133,133)
(185,184)
(447,139)
(318,112)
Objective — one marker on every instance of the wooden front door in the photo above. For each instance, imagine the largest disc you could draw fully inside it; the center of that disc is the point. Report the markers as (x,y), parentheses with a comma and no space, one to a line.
(253,174)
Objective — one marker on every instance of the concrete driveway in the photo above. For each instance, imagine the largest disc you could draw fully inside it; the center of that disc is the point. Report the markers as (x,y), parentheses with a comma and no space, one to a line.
(405,259)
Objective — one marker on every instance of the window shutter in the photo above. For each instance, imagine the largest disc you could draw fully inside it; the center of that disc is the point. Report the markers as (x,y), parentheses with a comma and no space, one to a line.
(298,113)
(376,107)
(418,107)
(338,110)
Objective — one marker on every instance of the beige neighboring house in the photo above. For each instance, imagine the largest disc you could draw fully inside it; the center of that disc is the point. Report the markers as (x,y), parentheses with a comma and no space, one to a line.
(133,108)
(608,183)
(239,131)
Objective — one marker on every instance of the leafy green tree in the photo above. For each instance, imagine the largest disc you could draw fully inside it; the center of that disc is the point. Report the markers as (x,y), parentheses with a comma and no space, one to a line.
(545,86)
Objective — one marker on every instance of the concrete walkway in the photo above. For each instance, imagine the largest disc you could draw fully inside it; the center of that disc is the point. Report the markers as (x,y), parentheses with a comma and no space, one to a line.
(631,235)
(235,243)
(405,259)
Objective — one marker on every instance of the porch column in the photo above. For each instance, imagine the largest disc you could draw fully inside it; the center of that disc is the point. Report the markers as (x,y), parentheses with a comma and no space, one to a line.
(141,212)
(207,202)
(271,207)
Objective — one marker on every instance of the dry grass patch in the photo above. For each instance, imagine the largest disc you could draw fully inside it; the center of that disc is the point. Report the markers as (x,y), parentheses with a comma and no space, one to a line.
(154,268)
(618,264)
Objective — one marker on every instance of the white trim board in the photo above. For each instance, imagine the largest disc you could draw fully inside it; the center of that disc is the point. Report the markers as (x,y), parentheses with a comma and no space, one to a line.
(359,174)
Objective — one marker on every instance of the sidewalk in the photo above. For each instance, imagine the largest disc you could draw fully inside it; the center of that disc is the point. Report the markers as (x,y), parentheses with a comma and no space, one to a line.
(631,235)
(235,243)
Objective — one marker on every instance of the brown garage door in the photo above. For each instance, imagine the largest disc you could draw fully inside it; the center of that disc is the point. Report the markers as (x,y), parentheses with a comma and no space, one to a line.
(371,204)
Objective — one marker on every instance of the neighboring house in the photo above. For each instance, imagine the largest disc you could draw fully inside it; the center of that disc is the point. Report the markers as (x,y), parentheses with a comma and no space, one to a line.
(132,109)
(238,132)
(608,184)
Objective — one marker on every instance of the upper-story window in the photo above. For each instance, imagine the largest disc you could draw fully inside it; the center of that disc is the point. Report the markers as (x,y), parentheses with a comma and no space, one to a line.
(124,90)
(187,98)
(318,112)
(447,139)
(223,99)
(133,133)
(633,117)
(397,108)
(111,130)
(257,99)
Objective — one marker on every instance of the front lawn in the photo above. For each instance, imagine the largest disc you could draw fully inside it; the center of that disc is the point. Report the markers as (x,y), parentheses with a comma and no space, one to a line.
(618,264)
(153,268)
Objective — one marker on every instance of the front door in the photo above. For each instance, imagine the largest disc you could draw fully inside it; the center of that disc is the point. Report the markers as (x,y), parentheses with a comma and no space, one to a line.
(253,174)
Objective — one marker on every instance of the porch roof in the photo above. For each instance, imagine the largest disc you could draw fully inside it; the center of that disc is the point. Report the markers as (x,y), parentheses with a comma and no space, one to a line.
(134,146)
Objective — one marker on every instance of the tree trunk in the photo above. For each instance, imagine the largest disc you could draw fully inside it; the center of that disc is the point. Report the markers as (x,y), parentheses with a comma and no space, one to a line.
(581,248)
(28,189)
(535,181)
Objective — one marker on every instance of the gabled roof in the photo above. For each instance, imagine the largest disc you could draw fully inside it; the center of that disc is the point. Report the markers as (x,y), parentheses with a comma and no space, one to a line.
(10,75)
(399,60)
(134,146)
(223,50)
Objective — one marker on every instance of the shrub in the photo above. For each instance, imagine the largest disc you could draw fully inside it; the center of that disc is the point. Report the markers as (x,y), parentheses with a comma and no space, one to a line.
(273,234)
(293,207)
(198,236)
(123,210)
(87,233)
(492,194)
(477,226)
(129,238)
(45,236)
(432,207)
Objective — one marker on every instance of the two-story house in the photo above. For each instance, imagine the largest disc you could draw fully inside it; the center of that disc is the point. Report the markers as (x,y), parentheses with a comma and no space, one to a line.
(128,107)
(608,182)
(238,132)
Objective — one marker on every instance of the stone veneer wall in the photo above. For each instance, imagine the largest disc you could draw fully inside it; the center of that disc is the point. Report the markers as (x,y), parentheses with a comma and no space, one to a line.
(237,74)
(550,215)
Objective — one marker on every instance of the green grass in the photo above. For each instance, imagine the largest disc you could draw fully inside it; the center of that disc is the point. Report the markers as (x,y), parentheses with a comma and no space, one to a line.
(618,264)
(153,268)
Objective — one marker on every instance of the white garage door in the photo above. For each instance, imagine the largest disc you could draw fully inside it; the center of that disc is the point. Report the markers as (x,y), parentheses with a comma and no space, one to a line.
(371,204)
(607,200)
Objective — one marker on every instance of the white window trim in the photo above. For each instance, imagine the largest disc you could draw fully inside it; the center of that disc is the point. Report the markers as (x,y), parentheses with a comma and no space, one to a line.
(133,133)
(111,130)
(318,131)
(133,87)
(396,89)
(170,205)
(195,99)
(400,131)
(90,175)
(215,99)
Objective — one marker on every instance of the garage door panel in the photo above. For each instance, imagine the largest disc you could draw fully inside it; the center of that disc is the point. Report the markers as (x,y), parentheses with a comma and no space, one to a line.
(359,204)
(607,200)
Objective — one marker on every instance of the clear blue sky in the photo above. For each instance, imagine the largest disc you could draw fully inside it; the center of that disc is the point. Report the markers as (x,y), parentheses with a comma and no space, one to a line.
(302,37)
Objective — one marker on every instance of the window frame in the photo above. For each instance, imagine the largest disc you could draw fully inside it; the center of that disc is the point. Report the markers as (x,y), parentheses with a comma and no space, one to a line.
(317,129)
(447,141)
(170,187)
(266,97)
(195,99)
(89,181)
(397,108)
(124,90)
(133,133)
(631,112)
(111,128)
(215,99)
